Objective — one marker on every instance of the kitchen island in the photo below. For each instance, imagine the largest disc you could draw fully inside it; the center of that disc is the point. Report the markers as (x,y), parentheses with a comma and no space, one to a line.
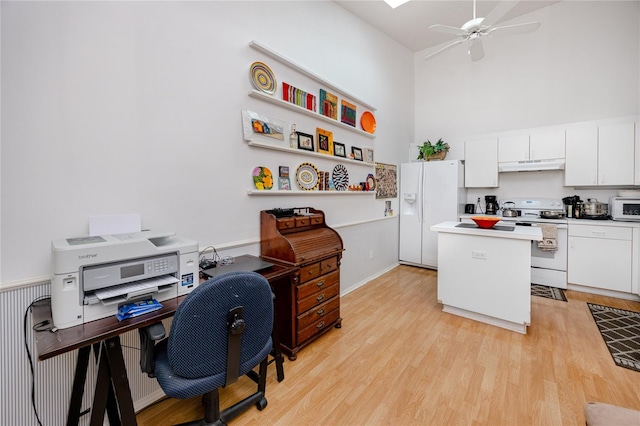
(485,274)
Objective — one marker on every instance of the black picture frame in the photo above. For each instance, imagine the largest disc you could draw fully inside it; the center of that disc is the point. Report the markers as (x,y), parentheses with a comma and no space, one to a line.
(305,141)
(357,153)
(339,150)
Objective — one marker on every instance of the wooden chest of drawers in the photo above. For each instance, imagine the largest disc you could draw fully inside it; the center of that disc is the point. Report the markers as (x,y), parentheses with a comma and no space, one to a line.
(309,305)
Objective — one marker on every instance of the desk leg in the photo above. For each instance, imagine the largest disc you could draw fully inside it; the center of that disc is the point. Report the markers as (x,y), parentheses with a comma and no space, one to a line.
(120,381)
(79,379)
(103,396)
(112,388)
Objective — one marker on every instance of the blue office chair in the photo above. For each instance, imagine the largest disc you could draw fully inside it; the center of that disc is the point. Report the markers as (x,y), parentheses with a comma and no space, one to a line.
(221,331)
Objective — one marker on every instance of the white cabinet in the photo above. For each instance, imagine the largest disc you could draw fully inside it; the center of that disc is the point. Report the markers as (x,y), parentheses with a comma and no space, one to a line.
(615,154)
(581,164)
(513,148)
(600,155)
(547,145)
(536,146)
(481,163)
(600,256)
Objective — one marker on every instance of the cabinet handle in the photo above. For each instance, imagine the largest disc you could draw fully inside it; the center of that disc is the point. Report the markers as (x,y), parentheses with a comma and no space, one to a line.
(320,325)
(598,232)
(320,297)
(320,312)
(320,283)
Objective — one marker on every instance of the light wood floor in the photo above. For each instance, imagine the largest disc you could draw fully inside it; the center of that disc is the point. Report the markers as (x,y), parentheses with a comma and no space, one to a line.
(398,359)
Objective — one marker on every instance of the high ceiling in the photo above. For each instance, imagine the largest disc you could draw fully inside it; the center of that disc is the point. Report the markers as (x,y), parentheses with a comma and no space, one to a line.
(409,23)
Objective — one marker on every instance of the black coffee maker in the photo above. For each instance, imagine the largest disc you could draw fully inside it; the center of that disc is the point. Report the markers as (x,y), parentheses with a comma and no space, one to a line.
(491,204)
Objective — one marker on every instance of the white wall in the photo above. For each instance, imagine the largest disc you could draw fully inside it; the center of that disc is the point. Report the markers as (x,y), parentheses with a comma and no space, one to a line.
(120,107)
(135,107)
(581,65)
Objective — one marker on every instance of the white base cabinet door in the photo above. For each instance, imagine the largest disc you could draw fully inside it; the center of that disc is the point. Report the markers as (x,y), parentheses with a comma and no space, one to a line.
(600,257)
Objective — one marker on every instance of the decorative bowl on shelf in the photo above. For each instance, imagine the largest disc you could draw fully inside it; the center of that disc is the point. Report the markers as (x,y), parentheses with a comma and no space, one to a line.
(485,221)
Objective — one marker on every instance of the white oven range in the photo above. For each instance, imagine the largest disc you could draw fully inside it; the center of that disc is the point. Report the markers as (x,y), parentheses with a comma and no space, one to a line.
(547,267)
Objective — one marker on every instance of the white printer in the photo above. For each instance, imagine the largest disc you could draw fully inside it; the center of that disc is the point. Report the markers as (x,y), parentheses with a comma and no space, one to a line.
(93,276)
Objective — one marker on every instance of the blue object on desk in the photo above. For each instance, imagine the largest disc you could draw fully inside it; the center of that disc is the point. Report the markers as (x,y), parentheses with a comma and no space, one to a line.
(131,310)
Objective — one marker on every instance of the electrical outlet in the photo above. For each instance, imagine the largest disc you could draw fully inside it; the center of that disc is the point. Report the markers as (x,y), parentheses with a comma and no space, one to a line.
(479,254)
(370,254)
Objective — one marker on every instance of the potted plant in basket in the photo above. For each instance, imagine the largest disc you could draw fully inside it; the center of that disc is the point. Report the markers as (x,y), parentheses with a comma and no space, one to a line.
(436,151)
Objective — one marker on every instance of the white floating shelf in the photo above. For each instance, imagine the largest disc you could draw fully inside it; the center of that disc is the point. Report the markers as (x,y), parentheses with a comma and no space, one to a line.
(293,192)
(266,145)
(278,57)
(271,99)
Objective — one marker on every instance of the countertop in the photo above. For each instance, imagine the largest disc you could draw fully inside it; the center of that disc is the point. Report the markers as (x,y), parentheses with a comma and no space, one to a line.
(571,221)
(519,232)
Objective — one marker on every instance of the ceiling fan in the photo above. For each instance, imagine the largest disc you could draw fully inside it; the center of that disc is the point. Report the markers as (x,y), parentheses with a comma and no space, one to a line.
(473,31)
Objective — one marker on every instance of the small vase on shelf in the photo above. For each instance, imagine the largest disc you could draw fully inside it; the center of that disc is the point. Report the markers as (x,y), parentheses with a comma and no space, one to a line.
(293,137)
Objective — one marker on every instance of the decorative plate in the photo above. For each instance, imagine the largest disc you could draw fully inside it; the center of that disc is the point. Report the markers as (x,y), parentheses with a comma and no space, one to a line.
(368,122)
(262,178)
(340,177)
(262,77)
(371,180)
(307,176)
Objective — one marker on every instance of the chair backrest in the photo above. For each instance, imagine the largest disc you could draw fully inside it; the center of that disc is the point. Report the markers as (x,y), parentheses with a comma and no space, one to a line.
(197,345)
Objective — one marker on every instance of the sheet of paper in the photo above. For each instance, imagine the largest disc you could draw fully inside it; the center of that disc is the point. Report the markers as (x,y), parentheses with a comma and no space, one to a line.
(114,224)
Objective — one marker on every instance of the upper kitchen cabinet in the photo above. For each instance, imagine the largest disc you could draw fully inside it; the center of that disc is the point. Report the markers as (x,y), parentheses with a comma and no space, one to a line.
(615,154)
(513,148)
(581,164)
(536,146)
(481,163)
(600,156)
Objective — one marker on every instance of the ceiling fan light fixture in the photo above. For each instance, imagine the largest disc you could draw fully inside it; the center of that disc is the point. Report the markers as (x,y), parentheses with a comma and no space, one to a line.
(395,3)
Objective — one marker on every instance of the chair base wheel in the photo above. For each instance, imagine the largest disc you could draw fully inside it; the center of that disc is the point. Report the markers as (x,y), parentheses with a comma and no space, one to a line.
(261,404)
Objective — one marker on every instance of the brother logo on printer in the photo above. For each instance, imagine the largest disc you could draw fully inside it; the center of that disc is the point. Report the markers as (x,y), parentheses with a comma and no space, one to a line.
(88,256)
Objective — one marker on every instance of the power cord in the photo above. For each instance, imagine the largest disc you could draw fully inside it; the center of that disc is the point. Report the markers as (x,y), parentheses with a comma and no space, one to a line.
(205,263)
(45,325)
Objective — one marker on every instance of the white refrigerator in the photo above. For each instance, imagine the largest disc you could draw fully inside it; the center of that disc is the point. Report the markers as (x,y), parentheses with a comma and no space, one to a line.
(430,192)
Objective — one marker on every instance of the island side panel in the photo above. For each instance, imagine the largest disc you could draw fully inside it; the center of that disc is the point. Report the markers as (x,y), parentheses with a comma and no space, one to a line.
(486,275)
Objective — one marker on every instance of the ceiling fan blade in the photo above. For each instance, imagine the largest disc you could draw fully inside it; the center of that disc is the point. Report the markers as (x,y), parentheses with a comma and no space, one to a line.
(476,51)
(447,47)
(448,30)
(498,12)
(514,29)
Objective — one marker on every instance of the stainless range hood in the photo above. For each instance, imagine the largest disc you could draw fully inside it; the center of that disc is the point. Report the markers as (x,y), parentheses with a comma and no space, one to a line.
(531,165)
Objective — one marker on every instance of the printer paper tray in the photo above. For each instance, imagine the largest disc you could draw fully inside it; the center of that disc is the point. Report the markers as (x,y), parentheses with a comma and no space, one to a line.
(124,292)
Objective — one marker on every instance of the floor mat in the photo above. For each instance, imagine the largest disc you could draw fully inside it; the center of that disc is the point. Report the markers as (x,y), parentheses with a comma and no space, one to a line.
(620,330)
(548,292)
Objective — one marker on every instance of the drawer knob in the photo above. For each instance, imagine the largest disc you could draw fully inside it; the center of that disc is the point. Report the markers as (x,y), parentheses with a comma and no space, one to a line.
(320,312)
(320,297)
(320,283)
(320,325)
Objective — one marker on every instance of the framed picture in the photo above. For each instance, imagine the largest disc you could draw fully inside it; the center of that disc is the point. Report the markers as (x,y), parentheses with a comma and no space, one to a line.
(325,141)
(357,153)
(256,126)
(339,150)
(368,155)
(305,141)
(284,171)
(284,183)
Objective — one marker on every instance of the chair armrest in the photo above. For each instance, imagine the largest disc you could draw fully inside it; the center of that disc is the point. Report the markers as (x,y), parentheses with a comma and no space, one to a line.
(148,337)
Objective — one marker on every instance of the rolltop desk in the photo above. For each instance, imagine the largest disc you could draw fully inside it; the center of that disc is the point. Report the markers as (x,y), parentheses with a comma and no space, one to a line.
(310,305)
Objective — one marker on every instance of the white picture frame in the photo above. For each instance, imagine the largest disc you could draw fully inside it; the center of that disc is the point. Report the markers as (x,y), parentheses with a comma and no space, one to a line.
(367,154)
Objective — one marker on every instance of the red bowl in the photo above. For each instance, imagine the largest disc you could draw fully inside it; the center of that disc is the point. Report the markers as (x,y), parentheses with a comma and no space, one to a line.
(485,222)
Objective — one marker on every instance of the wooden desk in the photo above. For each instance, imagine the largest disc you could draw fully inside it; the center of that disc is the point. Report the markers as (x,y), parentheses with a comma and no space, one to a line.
(112,385)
